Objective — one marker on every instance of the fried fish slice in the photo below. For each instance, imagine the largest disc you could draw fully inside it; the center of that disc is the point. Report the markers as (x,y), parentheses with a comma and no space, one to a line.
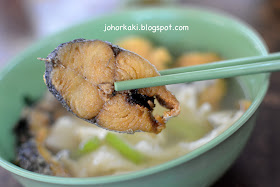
(81,74)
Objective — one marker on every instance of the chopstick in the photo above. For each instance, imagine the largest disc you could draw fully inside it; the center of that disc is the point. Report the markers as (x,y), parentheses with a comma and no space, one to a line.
(224,63)
(216,70)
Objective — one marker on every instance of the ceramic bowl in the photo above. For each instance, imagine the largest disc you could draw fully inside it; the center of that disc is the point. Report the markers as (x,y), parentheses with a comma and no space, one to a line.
(208,31)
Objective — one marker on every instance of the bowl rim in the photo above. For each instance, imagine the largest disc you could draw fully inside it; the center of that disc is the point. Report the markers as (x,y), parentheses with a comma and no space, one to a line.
(203,11)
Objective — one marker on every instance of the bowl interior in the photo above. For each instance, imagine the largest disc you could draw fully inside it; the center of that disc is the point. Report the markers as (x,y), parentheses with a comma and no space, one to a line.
(207,32)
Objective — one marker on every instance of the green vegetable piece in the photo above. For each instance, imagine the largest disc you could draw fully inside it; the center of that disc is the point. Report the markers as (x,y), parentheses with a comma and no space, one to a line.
(124,149)
(91,145)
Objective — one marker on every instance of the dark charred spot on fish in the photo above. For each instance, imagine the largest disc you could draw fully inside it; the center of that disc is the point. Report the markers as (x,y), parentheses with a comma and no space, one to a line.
(116,50)
(133,97)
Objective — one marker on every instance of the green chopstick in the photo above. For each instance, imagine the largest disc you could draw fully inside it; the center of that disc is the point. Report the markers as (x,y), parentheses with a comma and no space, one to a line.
(224,63)
(217,70)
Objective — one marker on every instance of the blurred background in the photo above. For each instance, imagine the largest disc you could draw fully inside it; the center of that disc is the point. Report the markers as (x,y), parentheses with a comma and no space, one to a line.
(25,21)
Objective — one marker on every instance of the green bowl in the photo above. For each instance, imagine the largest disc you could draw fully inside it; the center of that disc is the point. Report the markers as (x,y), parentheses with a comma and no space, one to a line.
(208,31)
